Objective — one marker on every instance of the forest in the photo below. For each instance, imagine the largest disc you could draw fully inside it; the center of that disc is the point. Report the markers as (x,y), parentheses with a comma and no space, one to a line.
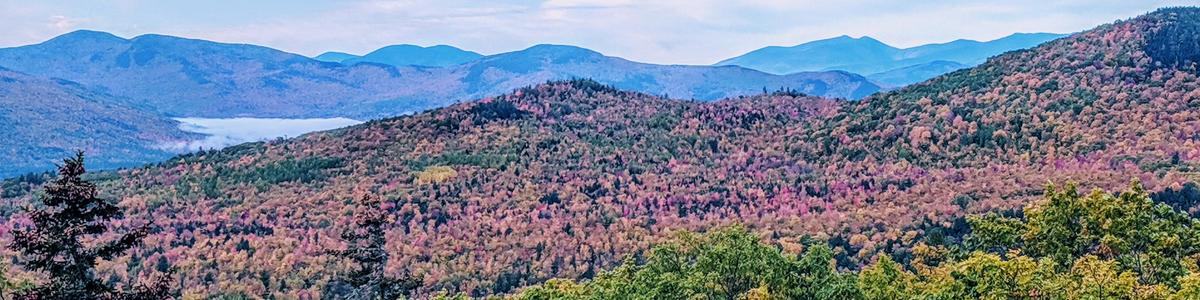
(574,189)
(1068,245)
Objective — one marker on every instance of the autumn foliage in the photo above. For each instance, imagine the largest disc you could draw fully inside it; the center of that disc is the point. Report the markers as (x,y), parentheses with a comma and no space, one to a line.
(568,179)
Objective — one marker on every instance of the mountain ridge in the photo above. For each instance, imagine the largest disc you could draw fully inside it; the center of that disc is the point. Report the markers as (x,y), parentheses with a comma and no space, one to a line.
(172,77)
(866,55)
(230,80)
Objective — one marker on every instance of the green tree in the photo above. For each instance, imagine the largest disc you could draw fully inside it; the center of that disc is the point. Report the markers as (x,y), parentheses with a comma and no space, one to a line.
(725,263)
(994,233)
(885,280)
(369,279)
(816,277)
(1141,236)
(54,245)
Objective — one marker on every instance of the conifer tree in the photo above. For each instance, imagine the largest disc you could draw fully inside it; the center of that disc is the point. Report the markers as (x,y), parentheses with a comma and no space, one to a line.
(71,215)
(369,280)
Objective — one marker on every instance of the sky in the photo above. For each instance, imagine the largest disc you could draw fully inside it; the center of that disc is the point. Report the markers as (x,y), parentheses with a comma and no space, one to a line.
(658,31)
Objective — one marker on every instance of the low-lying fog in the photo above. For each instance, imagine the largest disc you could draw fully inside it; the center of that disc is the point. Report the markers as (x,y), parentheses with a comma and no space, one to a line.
(227,132)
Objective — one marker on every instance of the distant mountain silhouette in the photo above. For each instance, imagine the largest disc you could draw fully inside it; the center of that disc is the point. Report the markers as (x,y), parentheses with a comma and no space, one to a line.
(915,73)
(541,63)
(334,56)
(866,55)
(840,53)
(412,55)
(196,78)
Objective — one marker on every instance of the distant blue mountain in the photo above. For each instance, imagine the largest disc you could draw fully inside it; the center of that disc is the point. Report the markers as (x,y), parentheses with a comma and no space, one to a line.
(334,56)
(866,55)
(182,77)
(129,89)
(915,73)
(540,63)
(971,53)
(412,55)
(840,53)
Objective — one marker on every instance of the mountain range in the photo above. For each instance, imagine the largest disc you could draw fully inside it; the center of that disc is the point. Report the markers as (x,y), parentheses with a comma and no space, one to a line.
(166,77)
(887,64)
(196,78)
(569,178)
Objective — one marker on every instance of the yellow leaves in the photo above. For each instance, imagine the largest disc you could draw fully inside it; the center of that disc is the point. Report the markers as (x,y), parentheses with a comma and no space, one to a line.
(758,293)
(435,174)
(1189,287)
(858,240)
(909,236)
(554,289)
(885,280)
(1094,278)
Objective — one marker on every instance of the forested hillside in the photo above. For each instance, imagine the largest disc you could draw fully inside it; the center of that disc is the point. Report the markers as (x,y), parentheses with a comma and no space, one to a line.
(1069,245)
(34,135)
(569,179)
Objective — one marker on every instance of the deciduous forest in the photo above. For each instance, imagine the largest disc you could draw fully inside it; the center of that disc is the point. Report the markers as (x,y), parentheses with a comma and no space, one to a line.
(1066,171)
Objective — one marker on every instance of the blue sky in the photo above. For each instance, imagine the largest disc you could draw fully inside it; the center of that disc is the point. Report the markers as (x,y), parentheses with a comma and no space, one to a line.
(663,31)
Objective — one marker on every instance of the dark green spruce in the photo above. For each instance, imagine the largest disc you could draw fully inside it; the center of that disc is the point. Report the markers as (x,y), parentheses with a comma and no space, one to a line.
(70,214)
(369,279)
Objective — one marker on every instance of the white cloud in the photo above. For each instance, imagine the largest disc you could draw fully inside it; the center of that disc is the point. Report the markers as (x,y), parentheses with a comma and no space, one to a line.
(64,23)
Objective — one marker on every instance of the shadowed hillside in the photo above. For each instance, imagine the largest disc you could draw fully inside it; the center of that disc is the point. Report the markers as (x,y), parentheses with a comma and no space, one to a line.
(43,120)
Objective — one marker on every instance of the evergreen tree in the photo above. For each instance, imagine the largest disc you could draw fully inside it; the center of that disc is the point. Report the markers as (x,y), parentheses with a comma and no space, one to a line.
(369,280)
(72,214)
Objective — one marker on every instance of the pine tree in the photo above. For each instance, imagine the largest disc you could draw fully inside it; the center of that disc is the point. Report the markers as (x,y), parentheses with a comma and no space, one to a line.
(72,214)
(369,281)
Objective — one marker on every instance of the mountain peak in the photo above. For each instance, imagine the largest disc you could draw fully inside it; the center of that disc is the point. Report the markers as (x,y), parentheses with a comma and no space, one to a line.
(334,56)
(414,55)
(558,48)
(846,39)
(558,52)
(86,35)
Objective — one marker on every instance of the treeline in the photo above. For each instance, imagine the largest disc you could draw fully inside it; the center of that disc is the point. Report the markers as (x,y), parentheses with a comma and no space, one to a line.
(1069,245)
(66,234)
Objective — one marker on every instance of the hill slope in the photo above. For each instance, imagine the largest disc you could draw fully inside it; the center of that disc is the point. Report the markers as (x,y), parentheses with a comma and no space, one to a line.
(563,179)
(43,120)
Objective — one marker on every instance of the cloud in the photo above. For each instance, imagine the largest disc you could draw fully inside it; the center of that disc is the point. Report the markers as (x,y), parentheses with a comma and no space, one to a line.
(64,23)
